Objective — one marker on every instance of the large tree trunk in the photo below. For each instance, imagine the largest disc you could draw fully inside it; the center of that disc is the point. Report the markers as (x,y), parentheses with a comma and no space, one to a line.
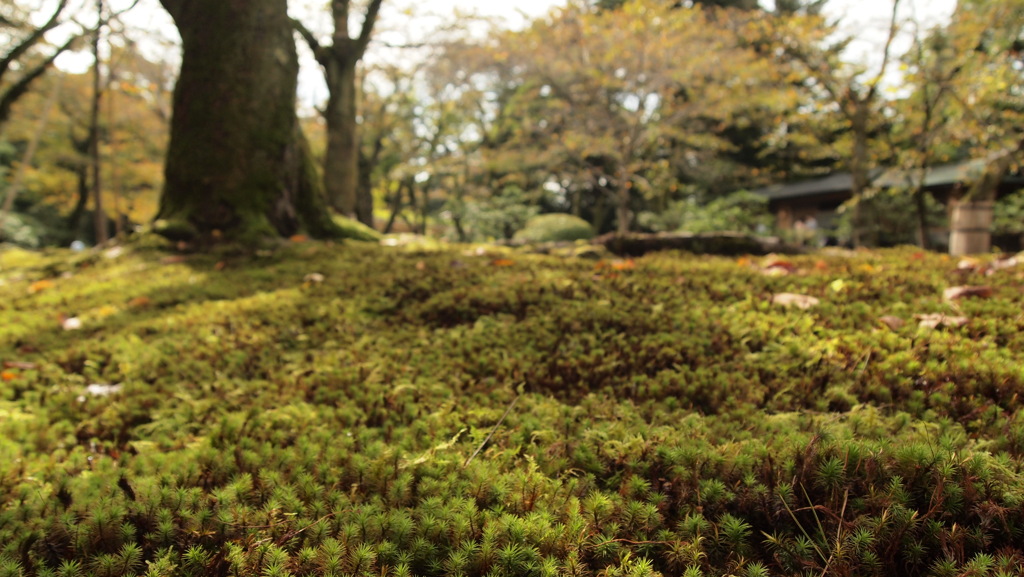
(237,164)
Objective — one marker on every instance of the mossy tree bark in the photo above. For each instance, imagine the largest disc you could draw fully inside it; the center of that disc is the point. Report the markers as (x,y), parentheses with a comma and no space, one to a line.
(237,163)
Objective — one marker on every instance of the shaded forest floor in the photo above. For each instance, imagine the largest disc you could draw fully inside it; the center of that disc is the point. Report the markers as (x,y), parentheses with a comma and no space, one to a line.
(361,410)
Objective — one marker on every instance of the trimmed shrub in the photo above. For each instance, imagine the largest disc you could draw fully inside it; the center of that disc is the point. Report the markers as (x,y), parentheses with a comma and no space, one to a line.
(555,227)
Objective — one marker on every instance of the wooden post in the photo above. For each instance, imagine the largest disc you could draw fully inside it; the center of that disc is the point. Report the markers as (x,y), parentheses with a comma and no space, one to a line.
(970,224)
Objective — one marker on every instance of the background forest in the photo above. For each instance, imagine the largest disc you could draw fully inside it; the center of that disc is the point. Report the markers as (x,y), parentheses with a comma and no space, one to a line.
(644,115)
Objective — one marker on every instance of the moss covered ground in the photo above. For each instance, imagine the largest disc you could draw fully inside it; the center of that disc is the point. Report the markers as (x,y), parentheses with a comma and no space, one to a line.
(353,409)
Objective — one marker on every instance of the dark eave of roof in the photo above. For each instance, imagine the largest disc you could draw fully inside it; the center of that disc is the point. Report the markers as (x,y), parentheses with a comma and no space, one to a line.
(938,176)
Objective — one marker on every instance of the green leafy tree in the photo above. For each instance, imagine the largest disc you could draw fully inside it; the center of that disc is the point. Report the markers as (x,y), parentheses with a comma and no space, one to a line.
(609,96)
(808,43)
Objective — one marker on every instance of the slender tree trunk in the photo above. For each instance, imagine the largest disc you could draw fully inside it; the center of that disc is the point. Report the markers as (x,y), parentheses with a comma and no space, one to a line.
(364,192)
(81,170)
(237,162)
(396,207)
(860,168)
(621,194)
(341,167)
(94,130)
(922,218)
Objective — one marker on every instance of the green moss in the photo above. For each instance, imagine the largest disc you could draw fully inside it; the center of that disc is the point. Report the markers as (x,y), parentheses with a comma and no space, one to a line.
(359,409)
(175,230)
(355,230)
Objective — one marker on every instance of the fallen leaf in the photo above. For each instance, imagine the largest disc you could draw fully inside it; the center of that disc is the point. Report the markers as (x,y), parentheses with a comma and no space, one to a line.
(313,278)
(39,286)
(838,285)
(139,302)
(820,265)
(100,390)
(959,292)
(19,365)
(968,264)
(775,262)
(106,311)
(894,323)
(71,323)
(221,265)
(1005,263)
(173,259)
(796,300)
(936,320)
(299,238)
(774,266)
(421,266)
(743,261)
(627,264)
(8,376)
(502,262)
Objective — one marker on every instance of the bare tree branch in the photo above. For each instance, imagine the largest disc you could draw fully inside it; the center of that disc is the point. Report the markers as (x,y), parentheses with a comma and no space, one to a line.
(19,50)
(886,51)
(19,88)
(314,45)
(368,21)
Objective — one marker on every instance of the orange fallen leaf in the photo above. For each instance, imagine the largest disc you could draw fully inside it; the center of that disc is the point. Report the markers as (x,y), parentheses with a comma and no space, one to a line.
(420,265)
(959,292)
(139,302)
(299,238)
(8,376)
(502,262)
(779,263)
(174,259)
(627,264)
(743,261)
(39,286)
(820,265)
(221,265)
